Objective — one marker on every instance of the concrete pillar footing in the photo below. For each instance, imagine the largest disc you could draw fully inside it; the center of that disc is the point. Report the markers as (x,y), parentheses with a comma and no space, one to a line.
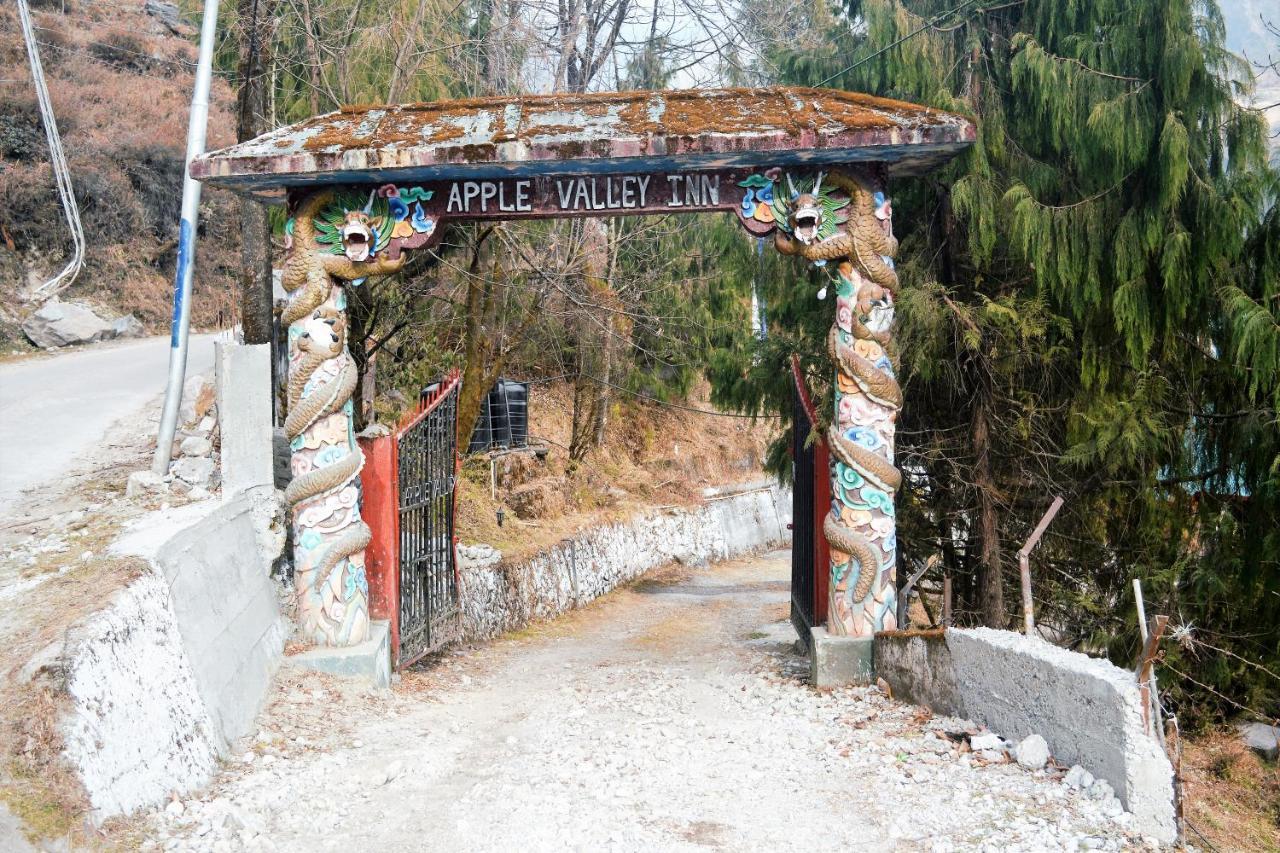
(368,661)
(839,661)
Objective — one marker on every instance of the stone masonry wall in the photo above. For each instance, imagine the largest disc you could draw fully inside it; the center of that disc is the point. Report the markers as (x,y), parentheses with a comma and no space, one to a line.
(502,597)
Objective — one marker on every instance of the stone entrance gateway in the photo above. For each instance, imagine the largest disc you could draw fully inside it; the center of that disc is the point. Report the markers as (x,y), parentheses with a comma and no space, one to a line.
(807,167)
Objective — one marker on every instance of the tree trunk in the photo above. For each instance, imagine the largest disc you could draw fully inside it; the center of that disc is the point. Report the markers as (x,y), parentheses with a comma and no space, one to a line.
(991,589)
(253,106)
(313,57)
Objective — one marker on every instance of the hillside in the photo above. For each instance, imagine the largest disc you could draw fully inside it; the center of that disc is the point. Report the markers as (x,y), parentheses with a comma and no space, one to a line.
(120,80)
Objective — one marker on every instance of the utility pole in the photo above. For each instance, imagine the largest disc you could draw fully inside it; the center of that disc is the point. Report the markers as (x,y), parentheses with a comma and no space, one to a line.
(180,330)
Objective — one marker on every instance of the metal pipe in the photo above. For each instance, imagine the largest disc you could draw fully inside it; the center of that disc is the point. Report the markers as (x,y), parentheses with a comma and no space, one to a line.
(180,330)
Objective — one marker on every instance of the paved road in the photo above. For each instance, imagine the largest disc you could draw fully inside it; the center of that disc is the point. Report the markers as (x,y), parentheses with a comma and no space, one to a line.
(53,410)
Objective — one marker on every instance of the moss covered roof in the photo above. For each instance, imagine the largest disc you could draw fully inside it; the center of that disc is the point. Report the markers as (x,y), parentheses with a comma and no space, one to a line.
(612,132)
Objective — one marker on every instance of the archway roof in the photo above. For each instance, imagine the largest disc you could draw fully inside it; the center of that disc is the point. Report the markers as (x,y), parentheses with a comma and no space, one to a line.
(597,134)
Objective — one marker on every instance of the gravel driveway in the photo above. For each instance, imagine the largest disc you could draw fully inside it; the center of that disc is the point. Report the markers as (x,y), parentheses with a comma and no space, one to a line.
(671,715)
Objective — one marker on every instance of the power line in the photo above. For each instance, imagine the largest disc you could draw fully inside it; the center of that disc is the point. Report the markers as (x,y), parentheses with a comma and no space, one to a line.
(927,25)
(58,162)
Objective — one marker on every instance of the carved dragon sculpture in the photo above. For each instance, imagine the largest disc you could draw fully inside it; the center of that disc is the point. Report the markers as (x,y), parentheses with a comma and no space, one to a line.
(860,526)
(332,244)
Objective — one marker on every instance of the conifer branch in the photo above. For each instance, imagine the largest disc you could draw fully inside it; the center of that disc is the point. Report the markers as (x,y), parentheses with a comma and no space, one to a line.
(1081,202)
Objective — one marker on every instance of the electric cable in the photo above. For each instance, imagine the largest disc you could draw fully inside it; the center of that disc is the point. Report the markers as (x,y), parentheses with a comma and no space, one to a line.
(58,163)
(927,25)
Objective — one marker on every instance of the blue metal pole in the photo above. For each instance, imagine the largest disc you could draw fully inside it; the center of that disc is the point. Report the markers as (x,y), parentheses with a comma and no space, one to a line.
(181,327)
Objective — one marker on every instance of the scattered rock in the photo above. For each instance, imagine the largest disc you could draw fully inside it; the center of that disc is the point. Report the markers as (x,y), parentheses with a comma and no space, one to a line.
(1078,777)
(1032,753)
(142,483)
(127,326)
(196,470)
(167,14)
(60,324)
(197,399)
(1100,790)
(195,445)
(985,741)
(1262,739)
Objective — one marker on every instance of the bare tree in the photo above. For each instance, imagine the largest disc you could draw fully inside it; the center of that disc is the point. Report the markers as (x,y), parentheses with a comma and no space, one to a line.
(253,109)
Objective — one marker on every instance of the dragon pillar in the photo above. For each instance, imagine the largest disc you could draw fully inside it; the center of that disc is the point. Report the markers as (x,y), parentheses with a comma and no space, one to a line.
(334,243)
(847,224)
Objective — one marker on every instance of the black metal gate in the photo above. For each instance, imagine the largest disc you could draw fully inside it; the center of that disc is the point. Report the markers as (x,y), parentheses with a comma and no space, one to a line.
(802,527)
(427,461)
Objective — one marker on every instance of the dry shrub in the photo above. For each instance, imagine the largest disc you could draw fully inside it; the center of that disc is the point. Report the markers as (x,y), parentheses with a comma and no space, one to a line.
(60,7)
(40,789)
(21,132)
(28,206)
(1231,795)
(126,51)
(155,173)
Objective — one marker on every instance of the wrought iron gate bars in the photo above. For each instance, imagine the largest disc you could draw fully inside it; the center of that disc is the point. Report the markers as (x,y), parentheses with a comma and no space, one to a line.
(803,531)
(427,477)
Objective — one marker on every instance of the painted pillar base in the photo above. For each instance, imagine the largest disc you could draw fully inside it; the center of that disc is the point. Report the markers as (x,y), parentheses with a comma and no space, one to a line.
(840,661)
(369,661)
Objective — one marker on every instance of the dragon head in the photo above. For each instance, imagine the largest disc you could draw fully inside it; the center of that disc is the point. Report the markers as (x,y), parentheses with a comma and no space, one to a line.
(357,236)
(806,213)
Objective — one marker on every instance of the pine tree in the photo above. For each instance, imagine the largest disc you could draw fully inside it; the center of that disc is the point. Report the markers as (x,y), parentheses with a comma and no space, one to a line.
(1090,311)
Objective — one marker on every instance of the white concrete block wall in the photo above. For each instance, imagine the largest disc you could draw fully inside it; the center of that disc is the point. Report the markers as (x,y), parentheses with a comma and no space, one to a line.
(244,416)
(504,597)
(1087,709)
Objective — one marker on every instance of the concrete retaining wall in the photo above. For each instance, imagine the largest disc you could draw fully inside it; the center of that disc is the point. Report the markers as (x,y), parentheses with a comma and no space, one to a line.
(137,728)
(1087,709)
(177,666)
(504,597)
(219,574)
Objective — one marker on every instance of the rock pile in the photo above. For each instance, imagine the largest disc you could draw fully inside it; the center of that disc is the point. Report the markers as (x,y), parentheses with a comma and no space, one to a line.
(194,469)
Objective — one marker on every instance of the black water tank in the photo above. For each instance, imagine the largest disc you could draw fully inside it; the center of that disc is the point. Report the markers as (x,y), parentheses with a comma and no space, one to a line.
(508,405)
(504,416)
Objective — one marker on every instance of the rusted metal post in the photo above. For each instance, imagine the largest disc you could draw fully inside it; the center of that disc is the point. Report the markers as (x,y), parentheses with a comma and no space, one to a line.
(1155,697)
(1024,565)
(904,594)
(1145,662)
(946,601)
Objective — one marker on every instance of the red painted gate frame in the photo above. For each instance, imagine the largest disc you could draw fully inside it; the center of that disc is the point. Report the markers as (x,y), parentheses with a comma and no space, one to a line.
(380,481)
(821,500)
